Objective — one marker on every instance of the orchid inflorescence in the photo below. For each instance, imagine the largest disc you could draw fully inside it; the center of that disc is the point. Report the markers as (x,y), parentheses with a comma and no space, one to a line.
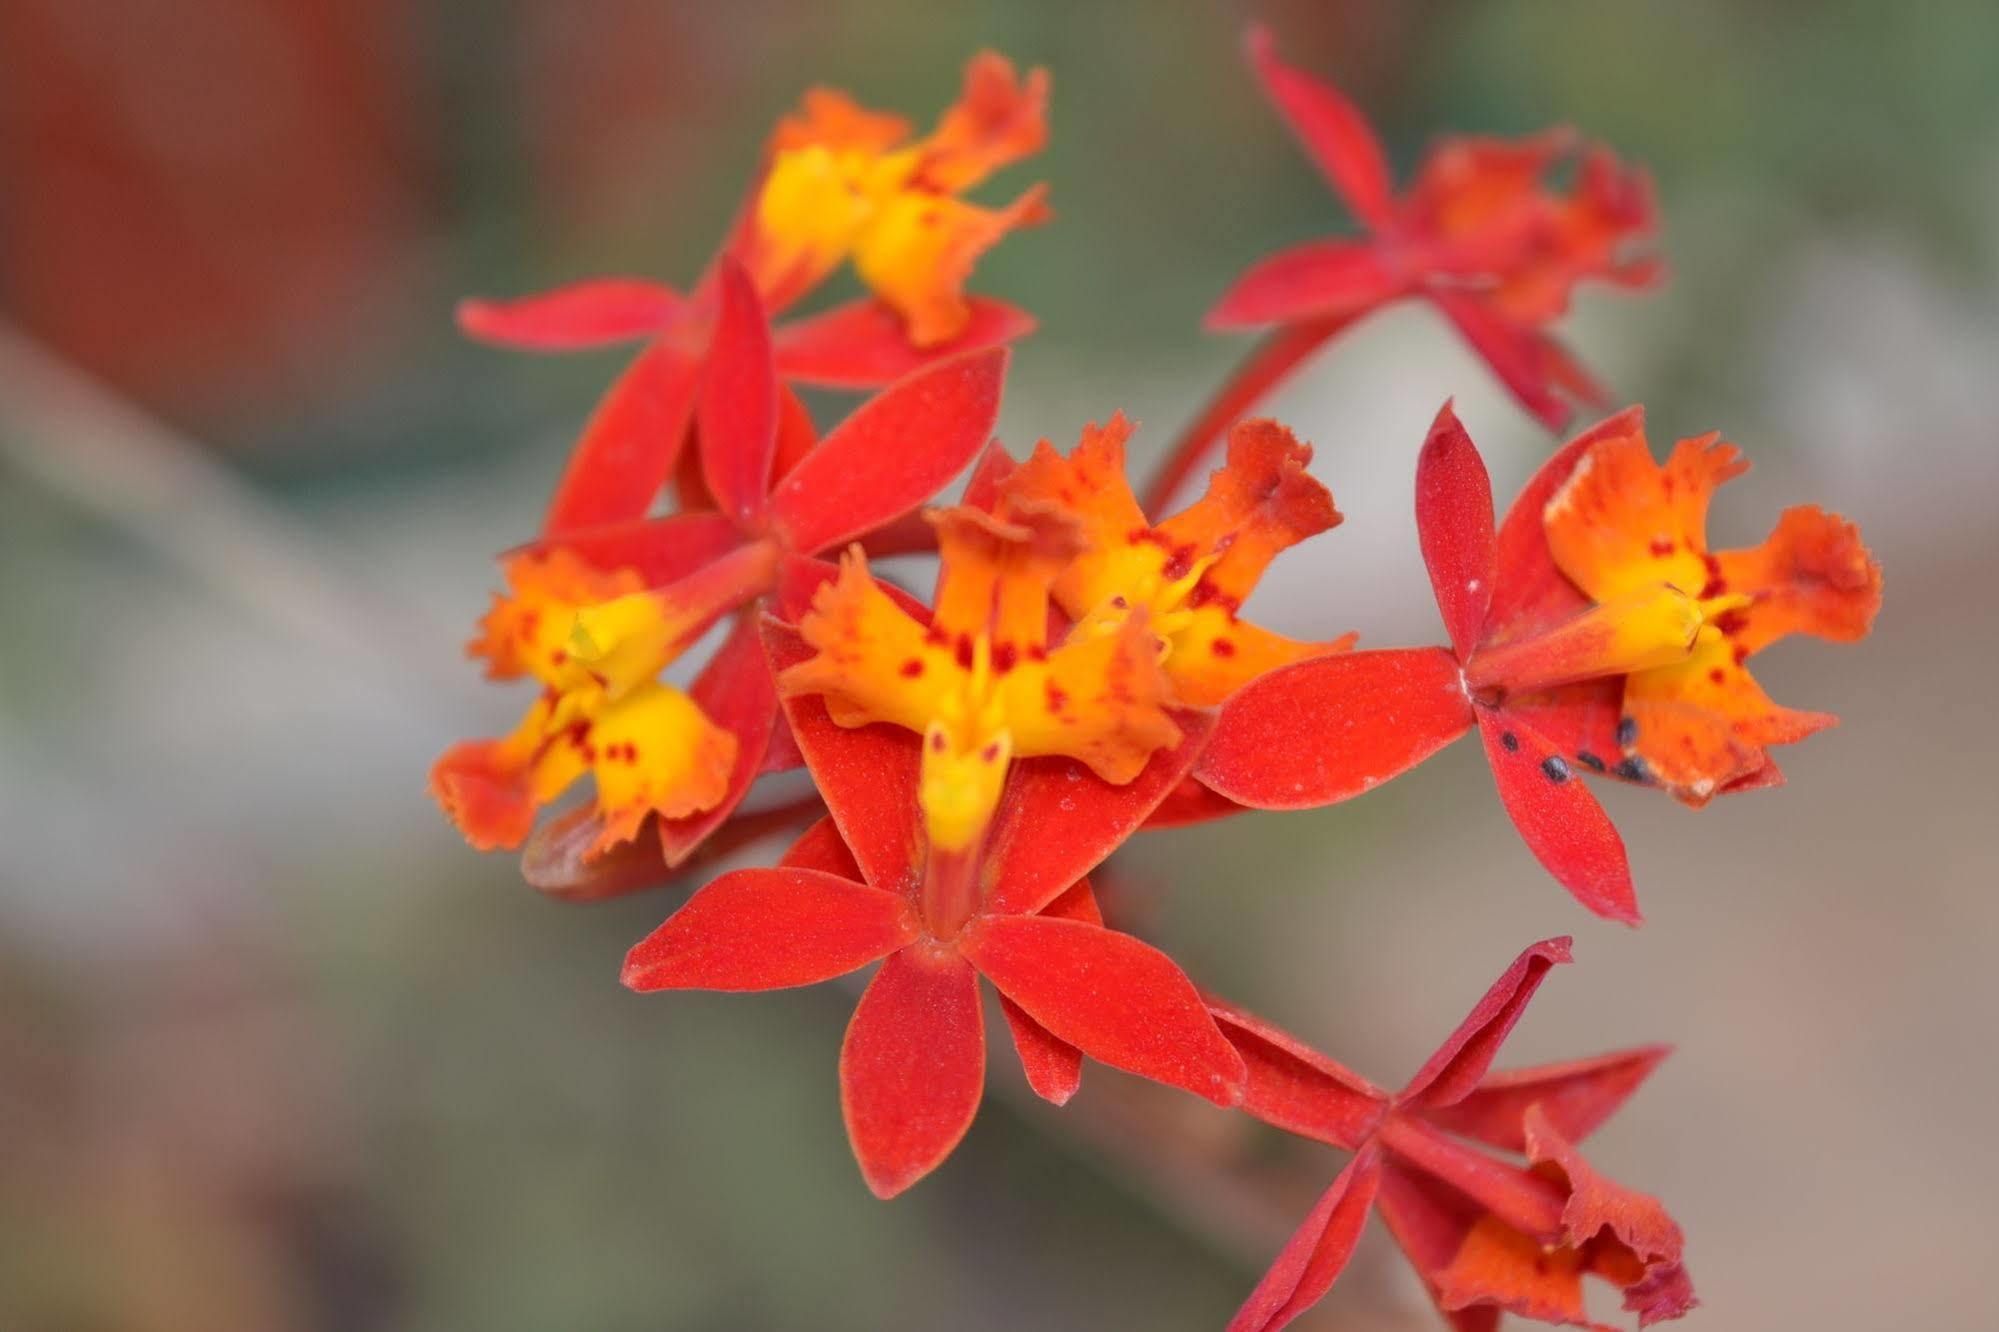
(1084,671)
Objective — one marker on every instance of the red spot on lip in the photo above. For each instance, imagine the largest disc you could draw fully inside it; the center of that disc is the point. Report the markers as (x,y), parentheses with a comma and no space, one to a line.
(1718,675)
(1731,622)
(912,668)
(1222,647)
(1058,698)
(1004,657)
(1662,547)
(964,652)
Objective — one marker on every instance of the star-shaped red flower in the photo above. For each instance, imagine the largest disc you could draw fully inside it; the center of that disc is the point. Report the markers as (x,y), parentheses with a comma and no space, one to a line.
(868,885)
(1488,1236)
(780,491)
(1479,232)
(1644,682)
(838,182)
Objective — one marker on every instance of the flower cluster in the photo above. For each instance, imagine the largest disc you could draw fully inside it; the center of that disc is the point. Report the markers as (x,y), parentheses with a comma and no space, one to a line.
(1085,671)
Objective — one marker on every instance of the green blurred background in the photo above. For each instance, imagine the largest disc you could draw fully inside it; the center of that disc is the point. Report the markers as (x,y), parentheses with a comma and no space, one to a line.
(278,1052)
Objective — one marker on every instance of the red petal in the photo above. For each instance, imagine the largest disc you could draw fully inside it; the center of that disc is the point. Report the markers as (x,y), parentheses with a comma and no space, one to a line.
(896,451)
(663,550)
(1331,128)
(1330,728)
(912,1067)
(1576,1097)
(1454,525)
(1530,595)
(1317,1253)
(1295,1087)
(1462,1060)
(820,848)
(1517,353)
(583,314)
(1058,820)
(630,445)
(1054,1068)
(737,693)
(767,929)
(739,406)
(1189,803)
(1558,818)
(867,775)
(1120,1001)
(863,345)
(1321,279)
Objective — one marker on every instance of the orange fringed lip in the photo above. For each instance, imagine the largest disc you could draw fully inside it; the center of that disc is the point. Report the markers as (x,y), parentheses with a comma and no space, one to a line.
(1621,523)
(845,183)
(1191,572)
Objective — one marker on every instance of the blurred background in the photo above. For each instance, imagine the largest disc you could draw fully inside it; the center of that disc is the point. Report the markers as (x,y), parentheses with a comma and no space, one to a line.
(277,1051)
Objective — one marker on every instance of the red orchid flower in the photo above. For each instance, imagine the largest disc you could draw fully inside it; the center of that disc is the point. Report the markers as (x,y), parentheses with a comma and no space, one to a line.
(1644,682)
(872,884)
(598,640)
(838,182)
(1487,1236)
(1479,233)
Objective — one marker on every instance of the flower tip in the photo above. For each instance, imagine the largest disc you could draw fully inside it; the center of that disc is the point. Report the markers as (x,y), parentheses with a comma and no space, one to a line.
(474,316)
(636,973)
(1258,43)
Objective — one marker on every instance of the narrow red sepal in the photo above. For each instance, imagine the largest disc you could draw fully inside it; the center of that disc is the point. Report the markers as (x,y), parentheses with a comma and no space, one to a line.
(1576,1097)
(738,410)
(866,774)
(1120,1001)
(1059,820)
(1296,1088)
(1332,130)
(1530,595)
(1454,524)
(1517,353)
(1462,1060)
(1054,1068)
(588,314)
(896,451)
(1321,279)
(912,1067)
(630,445)
(1329,728)
(863,344)
(1317,1252)
(1558,818)
(662,550)
(769,929)
(737,693)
